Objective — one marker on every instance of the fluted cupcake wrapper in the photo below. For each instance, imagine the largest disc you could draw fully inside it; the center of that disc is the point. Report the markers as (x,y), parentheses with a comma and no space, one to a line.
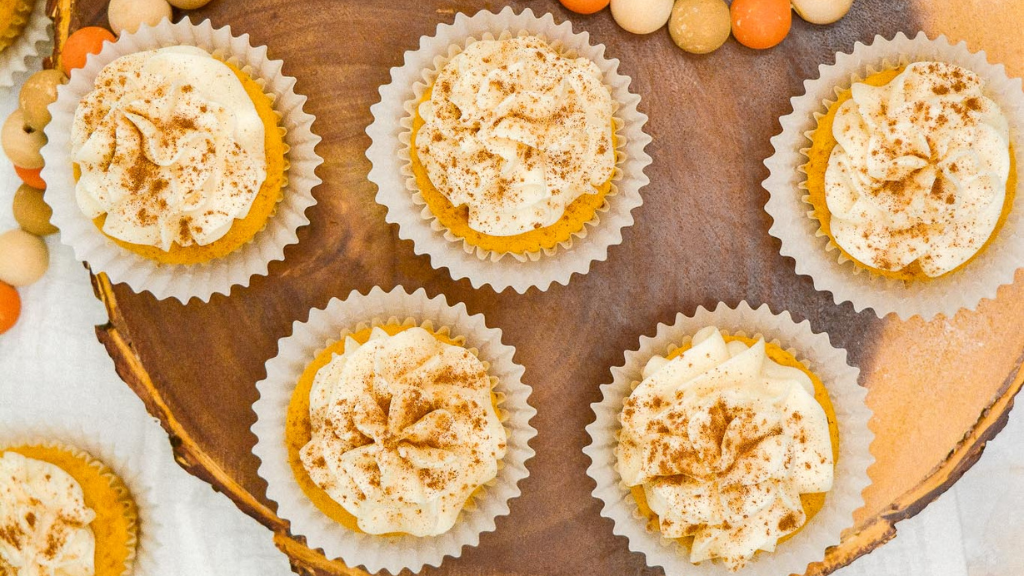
(325,326)
(851,478)
(390,134)
(184,281)
(76,439)
(818,257)
(25,45)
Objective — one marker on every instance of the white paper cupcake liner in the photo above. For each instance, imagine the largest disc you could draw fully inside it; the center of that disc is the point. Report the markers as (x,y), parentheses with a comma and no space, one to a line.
(816,256)
(390,134)
(827,362)
(184,282)
(150,530)
(295,352)
(25,46)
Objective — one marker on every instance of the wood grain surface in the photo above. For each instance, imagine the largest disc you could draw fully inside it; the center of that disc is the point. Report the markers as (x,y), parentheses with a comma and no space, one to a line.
(939,389)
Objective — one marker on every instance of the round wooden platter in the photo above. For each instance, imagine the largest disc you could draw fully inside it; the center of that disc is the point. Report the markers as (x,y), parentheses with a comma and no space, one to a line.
(939,390)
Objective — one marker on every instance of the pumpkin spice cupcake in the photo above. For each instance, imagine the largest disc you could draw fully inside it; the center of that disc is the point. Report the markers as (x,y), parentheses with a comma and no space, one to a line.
(69,510)
(23,25)
(178,155)
(519,150)
(403,460)
(910,178)
(513,146)
(911,171)
(14,16)
(736,451)
(188,155)
(398,443)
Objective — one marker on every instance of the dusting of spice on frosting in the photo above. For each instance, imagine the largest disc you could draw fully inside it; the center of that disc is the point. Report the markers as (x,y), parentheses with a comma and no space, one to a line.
(723,440)
(44,522)
(170,148)
(403,432)
(920,170)
(516,132)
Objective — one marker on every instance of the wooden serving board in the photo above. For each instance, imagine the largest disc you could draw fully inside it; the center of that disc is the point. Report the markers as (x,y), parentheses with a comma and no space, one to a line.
(939,390)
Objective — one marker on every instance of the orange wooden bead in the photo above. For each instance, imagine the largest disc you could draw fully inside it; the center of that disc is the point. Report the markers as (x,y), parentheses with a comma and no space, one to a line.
(585,6)
(85,41)
(760,24)
(10,307)
(31,177)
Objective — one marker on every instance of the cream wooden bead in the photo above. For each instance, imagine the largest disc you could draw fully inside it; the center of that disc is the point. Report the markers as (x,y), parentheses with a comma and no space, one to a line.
(822,11)
(23,258)
(128,15)
(641,16)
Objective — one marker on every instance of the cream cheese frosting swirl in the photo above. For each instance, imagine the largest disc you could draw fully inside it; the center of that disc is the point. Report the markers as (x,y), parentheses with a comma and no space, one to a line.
(723,441)
(516,132)
(403,432)
(920,170)
(44,522)
(170,147)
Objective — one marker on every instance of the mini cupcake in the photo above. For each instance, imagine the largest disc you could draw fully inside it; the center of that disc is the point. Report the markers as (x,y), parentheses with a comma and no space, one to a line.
(399,443)
(64,511)
(520,149)
(181,157)
(910,178)
(735,451)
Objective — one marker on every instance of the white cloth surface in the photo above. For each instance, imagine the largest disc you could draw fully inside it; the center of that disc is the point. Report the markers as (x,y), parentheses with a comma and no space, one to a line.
(52,369)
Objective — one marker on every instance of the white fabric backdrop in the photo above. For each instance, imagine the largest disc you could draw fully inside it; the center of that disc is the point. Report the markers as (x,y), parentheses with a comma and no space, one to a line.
(52,369)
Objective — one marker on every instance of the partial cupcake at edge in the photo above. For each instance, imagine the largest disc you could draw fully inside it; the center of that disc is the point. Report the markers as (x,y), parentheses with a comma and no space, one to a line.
(63,512)
(14,16)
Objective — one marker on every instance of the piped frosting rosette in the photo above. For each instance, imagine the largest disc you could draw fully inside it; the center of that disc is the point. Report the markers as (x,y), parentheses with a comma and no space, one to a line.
(727,477)
(169,124)
(962,180)
(392,137)
(353,440)
(412,467)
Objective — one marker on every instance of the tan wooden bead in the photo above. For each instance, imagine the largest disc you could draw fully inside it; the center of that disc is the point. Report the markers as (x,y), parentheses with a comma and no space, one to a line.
(31,212)
(188,4)
(21,143)
(38,92)
(128,15)
(700,26)
(24,258)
